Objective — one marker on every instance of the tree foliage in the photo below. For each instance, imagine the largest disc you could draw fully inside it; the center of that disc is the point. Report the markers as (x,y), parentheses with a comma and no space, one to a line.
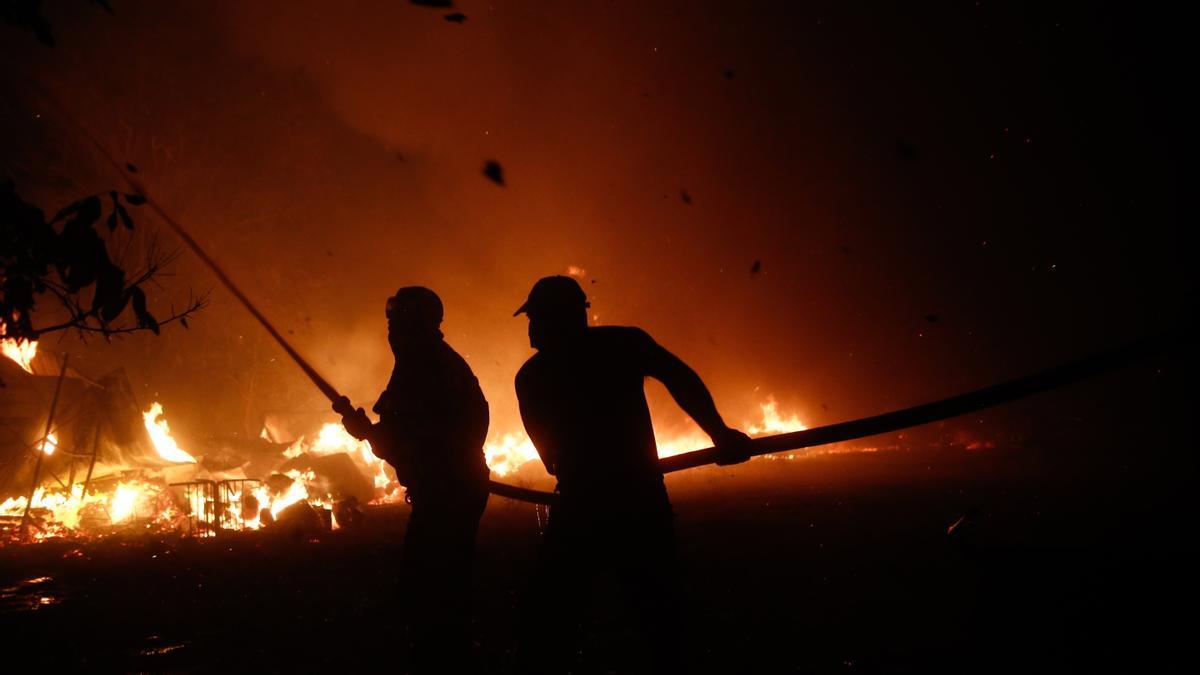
(28,14)
(67,259)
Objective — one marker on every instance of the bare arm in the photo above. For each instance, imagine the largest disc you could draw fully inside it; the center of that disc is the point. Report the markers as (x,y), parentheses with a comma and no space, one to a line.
(690,392)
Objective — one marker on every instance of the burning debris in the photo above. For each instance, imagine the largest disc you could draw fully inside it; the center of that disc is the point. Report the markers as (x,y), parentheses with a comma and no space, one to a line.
(109,467)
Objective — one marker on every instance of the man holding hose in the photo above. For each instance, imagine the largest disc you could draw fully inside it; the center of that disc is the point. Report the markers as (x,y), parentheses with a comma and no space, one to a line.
(433,421)
(584,406)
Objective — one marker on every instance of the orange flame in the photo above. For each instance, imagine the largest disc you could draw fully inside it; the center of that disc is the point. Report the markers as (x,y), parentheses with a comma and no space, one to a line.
(20,351)
(160,435)
(506,453)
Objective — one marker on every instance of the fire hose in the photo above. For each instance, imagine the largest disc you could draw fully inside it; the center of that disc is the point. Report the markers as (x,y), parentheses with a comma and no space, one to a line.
(895,420)
(972,401)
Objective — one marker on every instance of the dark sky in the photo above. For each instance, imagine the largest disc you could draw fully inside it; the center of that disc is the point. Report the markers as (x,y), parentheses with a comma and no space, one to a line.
(1008,169)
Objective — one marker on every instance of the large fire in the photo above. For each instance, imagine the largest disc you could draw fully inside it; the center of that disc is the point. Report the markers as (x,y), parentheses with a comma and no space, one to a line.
(147,498)
(151,502)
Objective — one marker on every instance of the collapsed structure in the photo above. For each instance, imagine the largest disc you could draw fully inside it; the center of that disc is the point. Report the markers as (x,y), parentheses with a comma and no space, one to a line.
(82,456)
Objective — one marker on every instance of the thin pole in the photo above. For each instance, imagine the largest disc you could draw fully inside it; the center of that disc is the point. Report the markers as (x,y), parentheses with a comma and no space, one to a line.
(37,466)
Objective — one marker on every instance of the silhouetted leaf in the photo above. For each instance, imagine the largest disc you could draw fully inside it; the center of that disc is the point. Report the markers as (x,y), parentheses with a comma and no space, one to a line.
(138,296)
(183,321)
(756,268)
(86,210)
(112,217)
(131,167)
(135,199)
(932,318)
(128,222)
(110,296)
(67,210)
(440,4)
(89,210)
(81,254)
(687,198)
(144,318)
(494,172)
(457,17)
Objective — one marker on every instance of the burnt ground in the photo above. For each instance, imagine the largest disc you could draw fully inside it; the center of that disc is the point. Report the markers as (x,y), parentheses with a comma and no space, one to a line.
(834,564)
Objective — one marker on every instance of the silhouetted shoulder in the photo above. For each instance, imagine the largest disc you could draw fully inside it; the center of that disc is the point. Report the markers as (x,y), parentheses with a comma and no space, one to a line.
(627,336)
(529,371)
(625,345)
(457,363)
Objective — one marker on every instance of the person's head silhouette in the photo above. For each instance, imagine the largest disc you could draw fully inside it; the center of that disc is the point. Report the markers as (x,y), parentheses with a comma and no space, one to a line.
(557,311)
(414,314)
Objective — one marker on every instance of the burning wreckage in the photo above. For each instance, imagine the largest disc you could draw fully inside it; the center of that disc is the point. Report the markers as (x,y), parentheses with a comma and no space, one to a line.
(81,457)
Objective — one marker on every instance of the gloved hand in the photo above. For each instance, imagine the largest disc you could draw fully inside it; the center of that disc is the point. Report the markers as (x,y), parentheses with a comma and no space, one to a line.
(356,421)
(733,447)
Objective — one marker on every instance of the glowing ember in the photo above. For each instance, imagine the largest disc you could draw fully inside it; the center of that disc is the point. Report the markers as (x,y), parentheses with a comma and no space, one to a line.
(160,434)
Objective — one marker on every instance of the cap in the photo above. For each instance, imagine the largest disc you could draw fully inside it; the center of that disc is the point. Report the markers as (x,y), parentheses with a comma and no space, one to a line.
(415,304)
(554,294)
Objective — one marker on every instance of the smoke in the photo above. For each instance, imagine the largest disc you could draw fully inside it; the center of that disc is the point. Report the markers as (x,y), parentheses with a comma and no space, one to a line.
(837,180)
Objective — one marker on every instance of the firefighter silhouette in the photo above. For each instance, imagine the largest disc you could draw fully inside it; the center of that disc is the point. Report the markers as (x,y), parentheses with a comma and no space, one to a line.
(433,420)
(583,404)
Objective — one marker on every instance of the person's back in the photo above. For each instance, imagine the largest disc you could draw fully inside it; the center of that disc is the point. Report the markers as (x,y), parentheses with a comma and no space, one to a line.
(435,418)
(590,399)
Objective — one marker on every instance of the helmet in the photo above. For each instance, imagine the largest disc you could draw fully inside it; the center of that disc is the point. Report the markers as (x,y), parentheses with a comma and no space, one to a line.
(554,295)
(415,305)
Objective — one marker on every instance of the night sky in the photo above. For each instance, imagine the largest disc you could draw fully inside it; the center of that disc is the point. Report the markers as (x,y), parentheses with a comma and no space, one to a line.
(848,206)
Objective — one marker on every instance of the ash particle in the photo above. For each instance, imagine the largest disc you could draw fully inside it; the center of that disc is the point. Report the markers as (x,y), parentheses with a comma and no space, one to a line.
(494,172)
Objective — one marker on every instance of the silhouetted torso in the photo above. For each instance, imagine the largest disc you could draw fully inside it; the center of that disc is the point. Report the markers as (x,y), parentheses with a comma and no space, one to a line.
(584,406)
(433,421)
(435,417)
(585,409)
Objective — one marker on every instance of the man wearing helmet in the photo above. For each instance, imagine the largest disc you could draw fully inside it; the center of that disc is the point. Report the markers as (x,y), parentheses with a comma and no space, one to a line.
(582,401)
(433,421)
